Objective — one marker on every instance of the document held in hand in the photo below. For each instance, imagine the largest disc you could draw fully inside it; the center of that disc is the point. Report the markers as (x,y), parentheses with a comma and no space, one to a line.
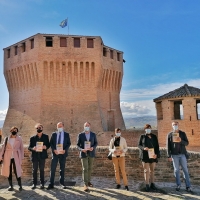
(39,146)
(59,148)
(151,152)
(175,137)
(118,149)
(87,145)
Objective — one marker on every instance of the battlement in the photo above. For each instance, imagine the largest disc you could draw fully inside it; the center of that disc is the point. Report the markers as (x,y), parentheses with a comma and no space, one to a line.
(69,78)
(65,43)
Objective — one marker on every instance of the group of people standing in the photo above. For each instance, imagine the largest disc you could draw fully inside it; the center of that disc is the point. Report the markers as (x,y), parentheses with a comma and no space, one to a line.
(12,153)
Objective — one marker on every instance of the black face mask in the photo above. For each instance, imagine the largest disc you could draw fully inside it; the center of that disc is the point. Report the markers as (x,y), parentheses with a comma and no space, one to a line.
(39,130)
(14,132)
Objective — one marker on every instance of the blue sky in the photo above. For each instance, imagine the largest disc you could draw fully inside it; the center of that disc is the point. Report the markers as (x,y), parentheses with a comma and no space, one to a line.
(160,40)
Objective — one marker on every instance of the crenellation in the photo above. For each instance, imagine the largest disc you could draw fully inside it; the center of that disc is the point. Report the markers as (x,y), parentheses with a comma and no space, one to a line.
(58,82)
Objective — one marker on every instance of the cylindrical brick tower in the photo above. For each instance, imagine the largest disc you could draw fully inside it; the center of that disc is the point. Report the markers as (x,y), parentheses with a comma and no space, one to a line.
(52,78)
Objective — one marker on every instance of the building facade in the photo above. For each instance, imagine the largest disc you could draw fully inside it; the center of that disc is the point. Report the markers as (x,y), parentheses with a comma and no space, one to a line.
(52,78)
(182,105)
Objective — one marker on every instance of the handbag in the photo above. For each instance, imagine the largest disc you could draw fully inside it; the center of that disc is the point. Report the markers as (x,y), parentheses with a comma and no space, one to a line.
(187,155)
(109,156)
(1,162)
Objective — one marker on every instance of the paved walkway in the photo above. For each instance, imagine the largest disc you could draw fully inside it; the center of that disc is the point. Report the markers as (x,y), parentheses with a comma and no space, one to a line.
(103,189)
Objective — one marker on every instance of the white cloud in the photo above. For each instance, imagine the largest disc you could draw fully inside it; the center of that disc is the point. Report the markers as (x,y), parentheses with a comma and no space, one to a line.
(154,91)
(134,109)
(139,102)
(3,114)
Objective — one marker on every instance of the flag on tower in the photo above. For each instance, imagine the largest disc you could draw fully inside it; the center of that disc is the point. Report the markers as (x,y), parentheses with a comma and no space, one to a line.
(63,23)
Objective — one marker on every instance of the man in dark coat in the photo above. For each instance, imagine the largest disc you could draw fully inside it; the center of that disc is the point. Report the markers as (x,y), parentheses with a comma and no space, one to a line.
(39,144)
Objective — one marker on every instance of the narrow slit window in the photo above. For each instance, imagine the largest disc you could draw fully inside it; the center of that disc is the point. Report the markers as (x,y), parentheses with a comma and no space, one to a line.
(90,43)
(63,42)
(16,49)
(8,51)
(111,54)
(32,43)
(104,52)
(77,42)
(178,110)
(198,108)
(49,41)
(23,47)
(118,56)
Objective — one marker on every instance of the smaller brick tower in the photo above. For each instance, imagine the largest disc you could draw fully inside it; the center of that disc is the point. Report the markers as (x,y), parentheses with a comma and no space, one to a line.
(182,105)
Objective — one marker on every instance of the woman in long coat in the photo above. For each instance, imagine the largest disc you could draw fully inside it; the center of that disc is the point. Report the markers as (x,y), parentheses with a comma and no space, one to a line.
(12,159)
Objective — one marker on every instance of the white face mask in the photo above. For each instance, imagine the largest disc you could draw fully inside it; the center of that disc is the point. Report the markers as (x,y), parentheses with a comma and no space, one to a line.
(175,127)
(148,130)
(87,128)
(118,134)
(60,129)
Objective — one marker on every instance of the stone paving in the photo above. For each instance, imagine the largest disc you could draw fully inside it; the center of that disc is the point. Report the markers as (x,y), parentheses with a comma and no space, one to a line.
(103,189)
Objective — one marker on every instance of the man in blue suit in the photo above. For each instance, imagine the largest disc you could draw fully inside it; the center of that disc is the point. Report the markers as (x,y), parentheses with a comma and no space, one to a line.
(86,144)
(60,143)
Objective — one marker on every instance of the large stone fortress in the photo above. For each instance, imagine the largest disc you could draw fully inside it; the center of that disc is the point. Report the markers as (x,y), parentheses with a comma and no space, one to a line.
(67,78)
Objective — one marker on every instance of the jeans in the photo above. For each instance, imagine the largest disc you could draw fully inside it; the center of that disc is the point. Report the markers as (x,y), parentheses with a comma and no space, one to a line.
(87,169)
(180,160)
(149,172)
(54,162)
(41,164)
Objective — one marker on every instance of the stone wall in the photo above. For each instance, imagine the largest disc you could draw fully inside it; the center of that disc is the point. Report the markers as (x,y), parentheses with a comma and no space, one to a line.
(104,167)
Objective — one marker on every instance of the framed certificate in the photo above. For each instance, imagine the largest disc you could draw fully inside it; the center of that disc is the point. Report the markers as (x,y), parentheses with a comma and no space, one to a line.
(175,137)
(59,148)
(151,152)
(87,145)
(39,146)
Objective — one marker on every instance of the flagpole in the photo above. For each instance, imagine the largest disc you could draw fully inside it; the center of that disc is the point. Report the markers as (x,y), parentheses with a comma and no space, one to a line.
(68,25)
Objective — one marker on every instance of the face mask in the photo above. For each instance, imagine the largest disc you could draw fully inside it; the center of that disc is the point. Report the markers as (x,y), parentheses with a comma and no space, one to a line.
(60,129)
(175,127)
(148,131)
(39,130)
(117,134)
(87,128)
(14,132)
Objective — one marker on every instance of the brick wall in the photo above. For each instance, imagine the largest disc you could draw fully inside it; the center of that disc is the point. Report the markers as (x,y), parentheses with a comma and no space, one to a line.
(189,124)
(68,84)
(104,167)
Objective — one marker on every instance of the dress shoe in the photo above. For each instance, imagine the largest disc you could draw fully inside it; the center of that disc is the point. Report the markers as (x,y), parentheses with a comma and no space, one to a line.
(118,186)
(41,186)
(178,187)
(50,187)
(147,188)
(153,186)
(126,188)
(90,184)
(188,189)
(10,188)
(86,189)
(63,186)
(33,187)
